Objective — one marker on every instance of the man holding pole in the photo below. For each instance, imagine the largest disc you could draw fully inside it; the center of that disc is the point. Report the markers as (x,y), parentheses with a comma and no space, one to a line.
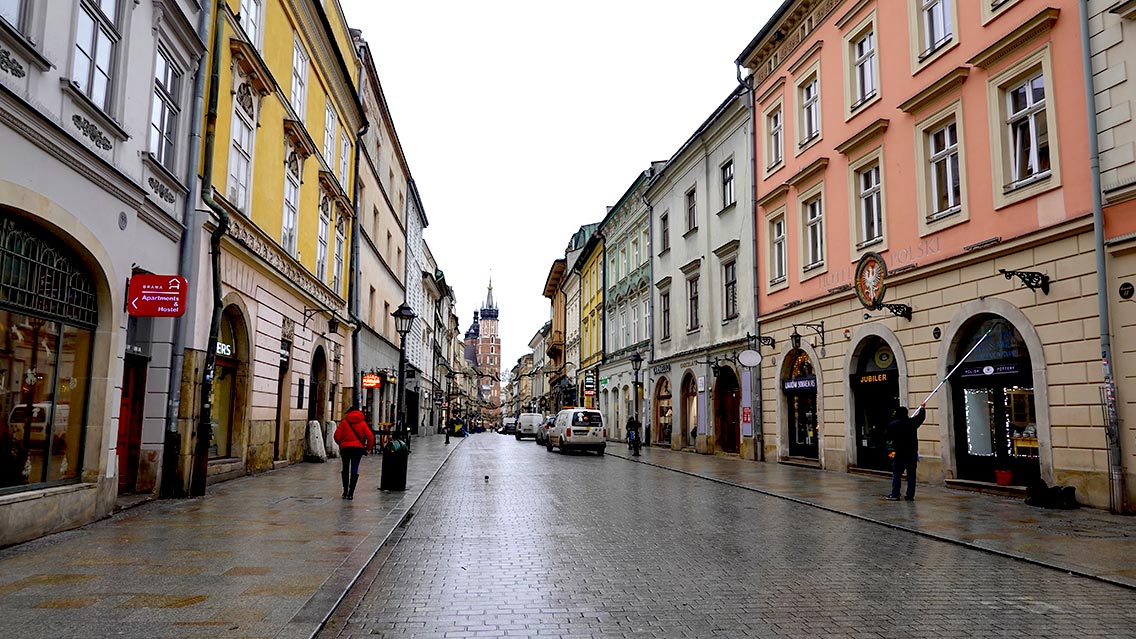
(903,430)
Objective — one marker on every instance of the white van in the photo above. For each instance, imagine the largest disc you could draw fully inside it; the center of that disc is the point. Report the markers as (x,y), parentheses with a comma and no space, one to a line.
(19,416)
(578,429)
(528,424)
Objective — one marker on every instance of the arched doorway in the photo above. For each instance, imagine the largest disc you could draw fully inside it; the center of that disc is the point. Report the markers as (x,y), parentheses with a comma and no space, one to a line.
(727,409)
(663,411)
(225,385)
(800,388)
(875,395)
(689,410)
(317,408)
(995,420)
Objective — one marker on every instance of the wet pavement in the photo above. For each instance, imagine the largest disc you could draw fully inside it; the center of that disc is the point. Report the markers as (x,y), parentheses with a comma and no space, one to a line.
(263,556)
(1084,541)
(584,546)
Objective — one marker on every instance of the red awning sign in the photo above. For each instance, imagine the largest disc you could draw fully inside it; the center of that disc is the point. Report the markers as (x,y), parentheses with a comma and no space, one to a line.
(156,295)
(371,380)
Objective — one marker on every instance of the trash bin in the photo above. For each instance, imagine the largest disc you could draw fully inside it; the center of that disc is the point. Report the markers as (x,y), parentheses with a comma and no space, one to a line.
(393,474)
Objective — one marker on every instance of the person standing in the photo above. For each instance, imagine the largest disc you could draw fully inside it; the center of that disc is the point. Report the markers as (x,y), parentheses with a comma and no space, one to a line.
(355,438)
(903,430)
(633,435)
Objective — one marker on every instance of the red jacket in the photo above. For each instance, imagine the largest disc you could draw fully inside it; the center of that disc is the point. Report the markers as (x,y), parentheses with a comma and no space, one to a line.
(353,431)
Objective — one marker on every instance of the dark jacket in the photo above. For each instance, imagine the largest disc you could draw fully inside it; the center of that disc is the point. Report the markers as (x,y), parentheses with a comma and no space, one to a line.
(903,431)
(353,431)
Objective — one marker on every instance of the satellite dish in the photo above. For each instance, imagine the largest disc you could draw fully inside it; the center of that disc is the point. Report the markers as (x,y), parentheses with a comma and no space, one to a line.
(749,358)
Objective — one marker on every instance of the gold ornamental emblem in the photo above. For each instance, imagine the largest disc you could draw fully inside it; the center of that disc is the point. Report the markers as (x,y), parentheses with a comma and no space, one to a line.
(869,283)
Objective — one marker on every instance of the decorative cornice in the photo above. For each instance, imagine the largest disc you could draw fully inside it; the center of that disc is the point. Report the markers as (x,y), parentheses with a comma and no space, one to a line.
(773,196)
(944,85)
(863,136)
(809,172)
(851,13)
(728,248)
(791,38)
(691,266)
(773,88)
(1126,10)
(330,184)
(10,64)
(1039,24)
(295,132)
(248,60)
(161,190)
(663,283)
(91,132)
(805,57)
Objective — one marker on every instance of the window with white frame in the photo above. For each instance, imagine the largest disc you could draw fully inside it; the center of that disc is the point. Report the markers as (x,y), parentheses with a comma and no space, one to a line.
(692,303)
(946,183)
(612,334)
(728,184)
(291,204)
(344,159)
(691,210)
(299,78)
(870,201)
(12,11)
(864,68)
(251,18)
(164,110)
(814,232)
(777,254)
(775,125)
(730,289)
(634,323)
(330,122)
(809,93)
(624,329)
(95,41)
(624,265)
(240,152)
(635,260)
(340,243)
(612,271)
(665,232)
(936,25)
(1028,131)
(665,314)
(323,238)
(646,306)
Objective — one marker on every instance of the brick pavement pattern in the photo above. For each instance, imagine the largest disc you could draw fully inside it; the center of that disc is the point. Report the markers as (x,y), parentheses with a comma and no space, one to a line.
(587,546)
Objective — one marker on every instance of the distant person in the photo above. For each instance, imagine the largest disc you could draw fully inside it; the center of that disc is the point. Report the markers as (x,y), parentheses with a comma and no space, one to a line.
(903,430)
(355,438)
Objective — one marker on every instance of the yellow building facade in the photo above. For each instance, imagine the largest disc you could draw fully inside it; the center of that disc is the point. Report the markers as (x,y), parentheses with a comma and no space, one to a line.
(591,319)
(282,120)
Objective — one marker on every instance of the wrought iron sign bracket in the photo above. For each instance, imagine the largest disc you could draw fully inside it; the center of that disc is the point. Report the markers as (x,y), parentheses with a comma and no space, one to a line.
(899,310)
(817,328)
(1032,279)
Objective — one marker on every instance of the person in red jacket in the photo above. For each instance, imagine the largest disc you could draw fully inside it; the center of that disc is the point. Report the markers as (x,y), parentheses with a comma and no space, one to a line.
(355,438)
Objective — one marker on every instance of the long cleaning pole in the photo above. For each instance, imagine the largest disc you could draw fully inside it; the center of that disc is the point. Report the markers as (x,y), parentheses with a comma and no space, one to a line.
(969,353)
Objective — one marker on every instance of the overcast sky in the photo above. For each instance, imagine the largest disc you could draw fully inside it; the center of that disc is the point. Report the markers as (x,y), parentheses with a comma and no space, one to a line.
(522,120)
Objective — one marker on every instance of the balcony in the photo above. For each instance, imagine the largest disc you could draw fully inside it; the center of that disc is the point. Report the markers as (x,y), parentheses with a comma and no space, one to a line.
(555,344)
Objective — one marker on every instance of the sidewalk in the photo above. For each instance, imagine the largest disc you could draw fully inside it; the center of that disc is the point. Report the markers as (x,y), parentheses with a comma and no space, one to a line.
(264,556)
(1087,542)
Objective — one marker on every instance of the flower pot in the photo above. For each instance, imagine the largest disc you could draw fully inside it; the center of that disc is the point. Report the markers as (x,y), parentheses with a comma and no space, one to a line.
(1003,477)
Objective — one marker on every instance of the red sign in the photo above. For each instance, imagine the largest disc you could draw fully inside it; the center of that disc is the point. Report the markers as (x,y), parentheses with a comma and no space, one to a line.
(371,380)
(747,414)
(156,295)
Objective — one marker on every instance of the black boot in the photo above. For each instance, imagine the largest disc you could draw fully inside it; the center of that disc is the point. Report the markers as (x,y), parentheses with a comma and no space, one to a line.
(346,491)
(351,491)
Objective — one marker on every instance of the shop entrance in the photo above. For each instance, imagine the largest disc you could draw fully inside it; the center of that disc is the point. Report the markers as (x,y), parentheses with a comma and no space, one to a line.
(727,410)
(995,421)
(663,412)
(130,411)
(875,396)
(224,387)
(800,388)
(317,406)
(689,410)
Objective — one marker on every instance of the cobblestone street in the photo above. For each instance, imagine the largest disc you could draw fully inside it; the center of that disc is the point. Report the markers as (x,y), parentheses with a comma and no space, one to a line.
(585,546)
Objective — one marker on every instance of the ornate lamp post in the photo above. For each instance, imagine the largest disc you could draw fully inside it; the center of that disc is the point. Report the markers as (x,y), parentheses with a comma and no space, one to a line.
(403,319)
(636,364)
(393,474)
(450,403)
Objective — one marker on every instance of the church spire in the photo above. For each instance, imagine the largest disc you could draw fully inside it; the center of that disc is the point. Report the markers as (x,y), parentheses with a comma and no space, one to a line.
(489,298)
(489,309)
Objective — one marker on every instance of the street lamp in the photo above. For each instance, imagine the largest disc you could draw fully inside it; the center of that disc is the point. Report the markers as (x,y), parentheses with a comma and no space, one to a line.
(393,475)
(450,403)
(636,364)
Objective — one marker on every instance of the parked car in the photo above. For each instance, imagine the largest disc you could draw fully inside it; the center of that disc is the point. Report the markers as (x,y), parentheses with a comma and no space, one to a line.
(528,424)
(578,429)
(510,426)
(541,437)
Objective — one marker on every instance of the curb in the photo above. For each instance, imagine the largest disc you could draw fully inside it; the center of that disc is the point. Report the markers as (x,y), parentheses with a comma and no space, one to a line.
(894,526)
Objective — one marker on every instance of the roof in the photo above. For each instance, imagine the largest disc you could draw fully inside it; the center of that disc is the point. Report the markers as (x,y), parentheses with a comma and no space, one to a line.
(555,275)
(765,31)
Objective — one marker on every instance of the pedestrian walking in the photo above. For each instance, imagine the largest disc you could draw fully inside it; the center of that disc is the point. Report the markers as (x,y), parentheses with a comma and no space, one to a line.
(903,431)
(355,438)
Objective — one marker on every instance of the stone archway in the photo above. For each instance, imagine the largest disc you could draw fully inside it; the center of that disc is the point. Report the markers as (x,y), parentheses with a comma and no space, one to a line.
(787,410)
(664,411)
(864,337)
(727,411)
(689,434)
(317,407)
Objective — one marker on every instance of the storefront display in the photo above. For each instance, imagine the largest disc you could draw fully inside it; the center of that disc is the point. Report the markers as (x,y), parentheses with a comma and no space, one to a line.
(800,388)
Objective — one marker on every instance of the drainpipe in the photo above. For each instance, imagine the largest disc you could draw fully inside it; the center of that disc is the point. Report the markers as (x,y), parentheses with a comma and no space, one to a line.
(650,296)
(353,280)
(755,379)
(171,484)
(1112,421)
(204,424)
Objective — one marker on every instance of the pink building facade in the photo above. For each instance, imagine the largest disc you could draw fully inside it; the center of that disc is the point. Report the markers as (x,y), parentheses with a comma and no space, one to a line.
(930,135)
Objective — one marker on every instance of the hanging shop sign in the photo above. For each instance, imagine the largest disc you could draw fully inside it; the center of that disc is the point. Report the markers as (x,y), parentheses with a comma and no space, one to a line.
(156,295)
(372,380)
(747,414)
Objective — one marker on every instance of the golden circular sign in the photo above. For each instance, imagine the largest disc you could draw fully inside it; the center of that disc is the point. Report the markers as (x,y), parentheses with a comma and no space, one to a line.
(869,281)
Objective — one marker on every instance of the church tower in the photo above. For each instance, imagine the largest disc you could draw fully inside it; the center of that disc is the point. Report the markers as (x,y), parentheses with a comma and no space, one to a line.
(489,356)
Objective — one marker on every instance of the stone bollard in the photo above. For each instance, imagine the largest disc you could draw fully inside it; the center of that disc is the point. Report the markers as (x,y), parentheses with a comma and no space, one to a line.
(315,451)
(329,440)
